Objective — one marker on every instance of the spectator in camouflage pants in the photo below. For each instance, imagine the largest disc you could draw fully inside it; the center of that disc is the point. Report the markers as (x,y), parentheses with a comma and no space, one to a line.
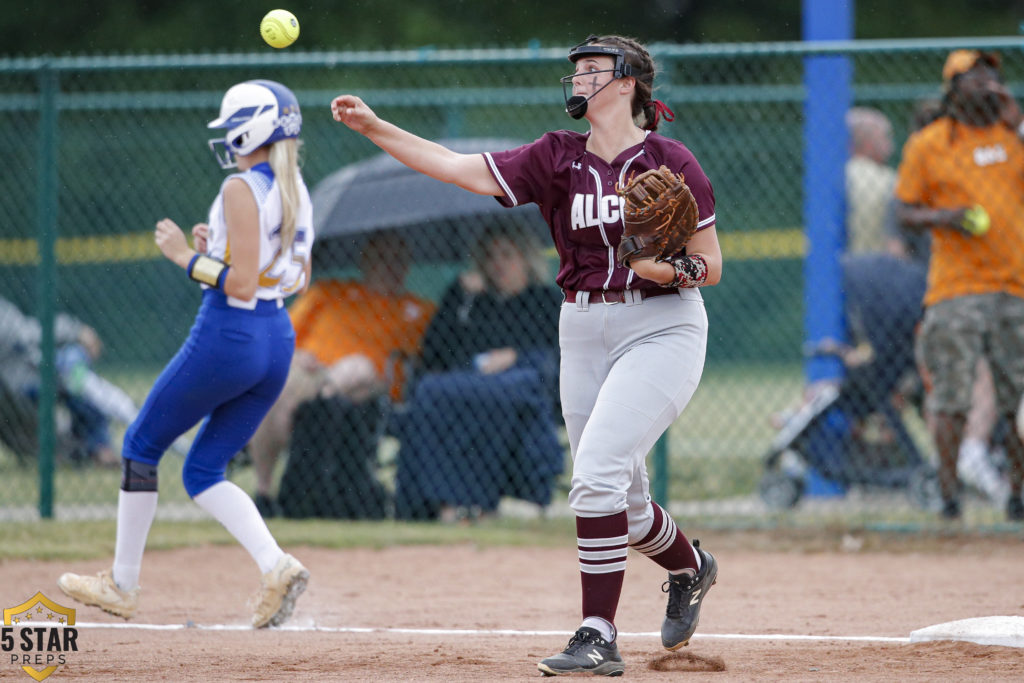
(962,177)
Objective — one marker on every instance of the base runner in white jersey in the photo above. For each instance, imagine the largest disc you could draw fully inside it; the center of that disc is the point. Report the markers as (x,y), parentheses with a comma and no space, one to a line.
(632,338)
(254,251)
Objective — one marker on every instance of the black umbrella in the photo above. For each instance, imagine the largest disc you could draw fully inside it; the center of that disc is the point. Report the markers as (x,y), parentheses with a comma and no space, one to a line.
(437,219)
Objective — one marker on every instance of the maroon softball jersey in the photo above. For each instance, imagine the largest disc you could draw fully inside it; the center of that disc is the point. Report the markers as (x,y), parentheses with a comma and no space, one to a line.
(575,191)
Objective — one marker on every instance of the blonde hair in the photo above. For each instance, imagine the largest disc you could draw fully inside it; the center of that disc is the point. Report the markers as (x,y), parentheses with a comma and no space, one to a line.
(284,162)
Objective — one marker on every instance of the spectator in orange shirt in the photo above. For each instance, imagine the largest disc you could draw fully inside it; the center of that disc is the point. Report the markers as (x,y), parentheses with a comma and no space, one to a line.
(347,336)
(962,177)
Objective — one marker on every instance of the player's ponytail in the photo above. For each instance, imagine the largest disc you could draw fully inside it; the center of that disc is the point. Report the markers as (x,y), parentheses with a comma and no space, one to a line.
(654,112)
(645,113)
(284,162)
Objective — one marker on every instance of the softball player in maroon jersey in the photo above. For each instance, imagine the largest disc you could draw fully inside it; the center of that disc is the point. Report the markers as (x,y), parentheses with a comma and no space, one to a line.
(632,339)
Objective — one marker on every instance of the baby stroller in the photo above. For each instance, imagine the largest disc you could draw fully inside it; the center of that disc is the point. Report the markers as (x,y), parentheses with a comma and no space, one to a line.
(848,435)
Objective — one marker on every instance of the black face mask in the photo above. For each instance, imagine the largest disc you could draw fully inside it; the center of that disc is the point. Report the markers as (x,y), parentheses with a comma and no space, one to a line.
(576,106)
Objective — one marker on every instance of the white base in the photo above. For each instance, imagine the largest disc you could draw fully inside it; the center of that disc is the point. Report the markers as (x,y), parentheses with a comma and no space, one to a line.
(1007,631)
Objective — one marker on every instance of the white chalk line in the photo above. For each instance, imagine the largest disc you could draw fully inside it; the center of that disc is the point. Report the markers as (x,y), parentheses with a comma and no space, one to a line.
(480,632)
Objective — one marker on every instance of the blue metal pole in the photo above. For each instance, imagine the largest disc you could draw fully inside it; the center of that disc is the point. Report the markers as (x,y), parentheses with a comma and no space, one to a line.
(827,84)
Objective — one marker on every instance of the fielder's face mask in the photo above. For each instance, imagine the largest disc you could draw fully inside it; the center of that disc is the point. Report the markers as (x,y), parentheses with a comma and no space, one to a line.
(576,105)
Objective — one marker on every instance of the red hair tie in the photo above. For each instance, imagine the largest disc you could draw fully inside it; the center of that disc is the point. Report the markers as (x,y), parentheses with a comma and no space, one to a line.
(661,109)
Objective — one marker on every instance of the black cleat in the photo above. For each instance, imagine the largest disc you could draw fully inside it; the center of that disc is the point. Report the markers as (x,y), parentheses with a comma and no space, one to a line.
(587,652)
(951,509)
(685,593)
(266,506)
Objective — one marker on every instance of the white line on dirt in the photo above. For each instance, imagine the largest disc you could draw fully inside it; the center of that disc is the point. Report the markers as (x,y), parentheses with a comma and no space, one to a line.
(480,632)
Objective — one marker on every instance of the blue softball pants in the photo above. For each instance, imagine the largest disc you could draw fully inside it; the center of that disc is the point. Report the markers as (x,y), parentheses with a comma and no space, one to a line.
(228,373)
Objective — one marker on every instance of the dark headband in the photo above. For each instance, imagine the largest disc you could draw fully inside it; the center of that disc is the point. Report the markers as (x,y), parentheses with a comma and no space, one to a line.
(588,49)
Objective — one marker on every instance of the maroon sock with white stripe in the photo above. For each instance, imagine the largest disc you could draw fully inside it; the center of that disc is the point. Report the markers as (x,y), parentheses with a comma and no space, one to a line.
(603,544)
(666,544)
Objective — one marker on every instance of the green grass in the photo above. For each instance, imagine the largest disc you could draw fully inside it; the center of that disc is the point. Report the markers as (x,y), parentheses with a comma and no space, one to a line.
(715,453)
(83,484)
(714,448)
(53,540)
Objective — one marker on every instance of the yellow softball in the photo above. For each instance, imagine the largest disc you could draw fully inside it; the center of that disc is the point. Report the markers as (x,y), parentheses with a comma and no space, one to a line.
(279,28)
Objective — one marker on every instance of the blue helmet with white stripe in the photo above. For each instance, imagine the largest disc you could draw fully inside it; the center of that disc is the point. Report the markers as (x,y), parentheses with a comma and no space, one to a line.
(255,113)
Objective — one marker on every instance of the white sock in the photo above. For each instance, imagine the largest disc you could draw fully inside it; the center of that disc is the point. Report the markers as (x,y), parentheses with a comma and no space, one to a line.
(972,451)
(974,466)
(135,513)
(600,625)
(232,507)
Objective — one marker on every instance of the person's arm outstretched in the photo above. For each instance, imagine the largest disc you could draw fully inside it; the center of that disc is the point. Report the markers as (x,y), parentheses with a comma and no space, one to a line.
(468,171)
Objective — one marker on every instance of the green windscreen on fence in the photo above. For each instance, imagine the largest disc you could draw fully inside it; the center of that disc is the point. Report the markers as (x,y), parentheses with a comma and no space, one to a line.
(131,148)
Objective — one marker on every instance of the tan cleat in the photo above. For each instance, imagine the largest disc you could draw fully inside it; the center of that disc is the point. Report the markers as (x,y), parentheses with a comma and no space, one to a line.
(100,591)
(279,589)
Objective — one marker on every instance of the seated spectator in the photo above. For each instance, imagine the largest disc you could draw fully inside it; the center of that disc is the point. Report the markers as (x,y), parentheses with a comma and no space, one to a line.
(481,421)
(88,435)
(883,306)
(348,334)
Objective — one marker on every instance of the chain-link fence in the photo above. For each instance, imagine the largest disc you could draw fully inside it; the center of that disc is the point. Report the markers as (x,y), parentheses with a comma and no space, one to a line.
(408,402)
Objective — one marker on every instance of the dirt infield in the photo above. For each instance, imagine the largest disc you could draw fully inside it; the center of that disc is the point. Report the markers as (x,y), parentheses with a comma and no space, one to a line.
(790,590)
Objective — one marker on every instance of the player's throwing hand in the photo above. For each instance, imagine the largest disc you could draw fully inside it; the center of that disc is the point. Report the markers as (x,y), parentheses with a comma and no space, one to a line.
(353,112)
